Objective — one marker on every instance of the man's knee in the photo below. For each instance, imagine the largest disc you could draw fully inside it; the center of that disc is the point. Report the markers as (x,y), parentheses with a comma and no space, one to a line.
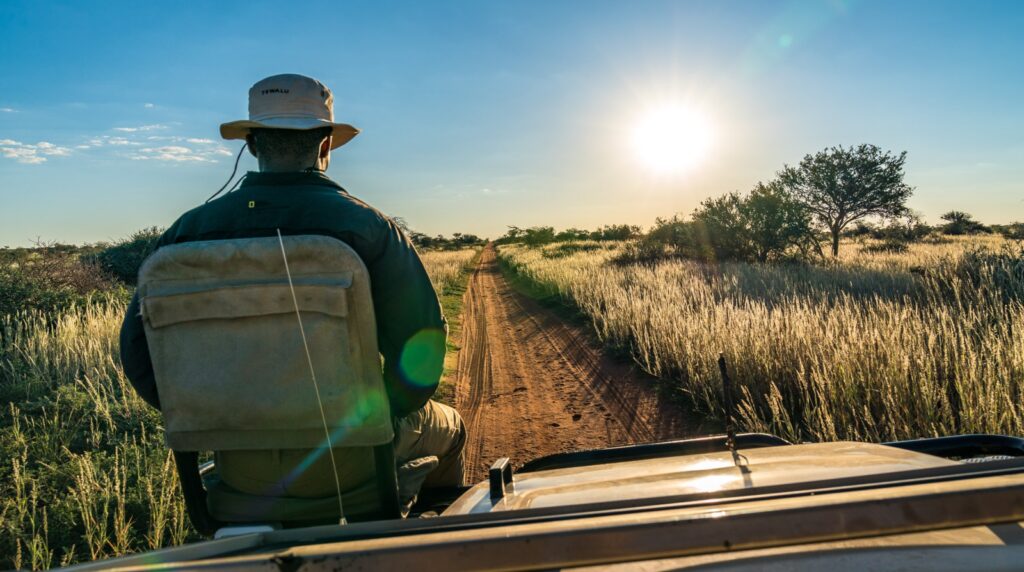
(435,429)
(447,443)
(453,423)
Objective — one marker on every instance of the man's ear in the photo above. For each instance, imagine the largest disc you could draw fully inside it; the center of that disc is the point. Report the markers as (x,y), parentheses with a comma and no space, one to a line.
(325,148)
(250,140)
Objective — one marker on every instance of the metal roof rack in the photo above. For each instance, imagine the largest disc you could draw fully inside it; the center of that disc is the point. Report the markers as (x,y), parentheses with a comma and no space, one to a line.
(713,444)
(961,447)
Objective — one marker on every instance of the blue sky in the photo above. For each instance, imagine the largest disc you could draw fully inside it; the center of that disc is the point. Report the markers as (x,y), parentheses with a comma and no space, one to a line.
(478,115)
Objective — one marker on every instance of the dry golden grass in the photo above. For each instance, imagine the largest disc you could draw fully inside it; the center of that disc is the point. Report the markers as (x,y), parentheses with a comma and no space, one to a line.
(446,267)
(84,473)
(874,347)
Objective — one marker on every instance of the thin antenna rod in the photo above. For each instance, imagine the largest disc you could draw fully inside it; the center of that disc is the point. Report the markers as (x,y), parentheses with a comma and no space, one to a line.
(730,430)
(312,374)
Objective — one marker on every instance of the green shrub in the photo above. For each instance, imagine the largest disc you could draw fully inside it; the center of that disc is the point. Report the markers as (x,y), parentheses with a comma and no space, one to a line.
(889,245)
(765,225)
(50,280)
(1014,231)
(615,232)
(123,259)
(533,236)
(959,222)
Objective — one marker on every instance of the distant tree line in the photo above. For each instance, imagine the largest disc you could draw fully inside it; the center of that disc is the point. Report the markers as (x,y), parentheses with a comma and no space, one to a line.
(539,235)
(440,242)
(456,241)
(802,213)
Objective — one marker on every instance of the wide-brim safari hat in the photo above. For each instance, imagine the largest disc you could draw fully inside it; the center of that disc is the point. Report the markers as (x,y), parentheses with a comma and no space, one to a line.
(290,101)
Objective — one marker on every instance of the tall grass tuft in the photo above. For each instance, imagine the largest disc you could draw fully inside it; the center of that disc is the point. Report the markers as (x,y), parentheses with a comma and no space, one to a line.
(446,267)
(85,474)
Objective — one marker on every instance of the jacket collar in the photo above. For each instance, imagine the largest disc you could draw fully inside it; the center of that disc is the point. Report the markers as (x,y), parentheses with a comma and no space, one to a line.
(296,178)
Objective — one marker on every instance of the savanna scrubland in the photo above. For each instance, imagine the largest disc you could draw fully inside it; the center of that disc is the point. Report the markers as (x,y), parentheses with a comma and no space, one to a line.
(909,331)
(841,313)
(873,345)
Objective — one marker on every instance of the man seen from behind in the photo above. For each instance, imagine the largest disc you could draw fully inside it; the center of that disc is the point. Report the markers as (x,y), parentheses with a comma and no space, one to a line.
(291,132)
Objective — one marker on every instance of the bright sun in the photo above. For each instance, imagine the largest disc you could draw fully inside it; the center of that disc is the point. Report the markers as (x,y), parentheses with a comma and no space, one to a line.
(672,139)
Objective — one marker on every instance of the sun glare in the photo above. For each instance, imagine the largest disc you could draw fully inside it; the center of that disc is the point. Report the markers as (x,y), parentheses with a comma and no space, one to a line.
(672,139)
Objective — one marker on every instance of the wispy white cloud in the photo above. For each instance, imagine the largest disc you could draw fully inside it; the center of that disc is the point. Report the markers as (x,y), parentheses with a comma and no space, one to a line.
(30,154)
(47,148)
(130,142)
(105,140)
(8,110)
(153,127)
(173,153)
(22,155)
(178,154)
(148,105)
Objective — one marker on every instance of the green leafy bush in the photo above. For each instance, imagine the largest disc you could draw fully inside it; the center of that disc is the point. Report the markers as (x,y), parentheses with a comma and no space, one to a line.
(1014,231)
(615,232)
(889,245)
(123,259)
(959,222)
(50,279)
(767,224)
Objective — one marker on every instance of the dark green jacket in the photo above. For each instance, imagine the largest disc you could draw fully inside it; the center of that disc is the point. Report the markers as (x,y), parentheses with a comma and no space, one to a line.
(406,307)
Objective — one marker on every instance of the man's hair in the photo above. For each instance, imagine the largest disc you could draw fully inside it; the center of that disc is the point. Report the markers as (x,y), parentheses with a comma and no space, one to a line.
(289,144)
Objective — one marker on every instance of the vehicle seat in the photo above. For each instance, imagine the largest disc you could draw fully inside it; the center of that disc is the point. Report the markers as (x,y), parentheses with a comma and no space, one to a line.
(361,503)
(232,371)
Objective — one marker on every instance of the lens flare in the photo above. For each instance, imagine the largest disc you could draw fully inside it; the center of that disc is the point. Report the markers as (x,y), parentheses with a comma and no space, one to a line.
(422,359)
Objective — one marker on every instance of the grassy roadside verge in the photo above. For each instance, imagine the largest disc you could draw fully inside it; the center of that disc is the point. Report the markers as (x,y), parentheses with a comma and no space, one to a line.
(549,297)
(452,298)
(84,473)
(872,347)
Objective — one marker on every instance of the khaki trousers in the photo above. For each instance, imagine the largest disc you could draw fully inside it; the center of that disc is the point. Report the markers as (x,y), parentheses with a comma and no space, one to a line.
(433,430)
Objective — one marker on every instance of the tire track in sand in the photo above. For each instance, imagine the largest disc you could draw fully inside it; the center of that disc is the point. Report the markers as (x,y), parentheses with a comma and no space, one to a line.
(528,384)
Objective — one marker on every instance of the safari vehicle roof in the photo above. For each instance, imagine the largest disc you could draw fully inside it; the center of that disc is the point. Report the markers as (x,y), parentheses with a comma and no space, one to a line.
(697,473)
(682,504)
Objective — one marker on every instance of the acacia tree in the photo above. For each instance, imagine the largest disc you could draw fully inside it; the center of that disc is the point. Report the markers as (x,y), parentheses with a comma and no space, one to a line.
(959,222)
(841,185)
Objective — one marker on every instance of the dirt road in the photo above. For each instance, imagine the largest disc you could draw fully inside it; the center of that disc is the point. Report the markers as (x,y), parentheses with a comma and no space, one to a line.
(528,384)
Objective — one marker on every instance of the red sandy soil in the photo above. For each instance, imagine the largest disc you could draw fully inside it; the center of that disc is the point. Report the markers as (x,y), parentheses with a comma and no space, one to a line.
(528,384)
